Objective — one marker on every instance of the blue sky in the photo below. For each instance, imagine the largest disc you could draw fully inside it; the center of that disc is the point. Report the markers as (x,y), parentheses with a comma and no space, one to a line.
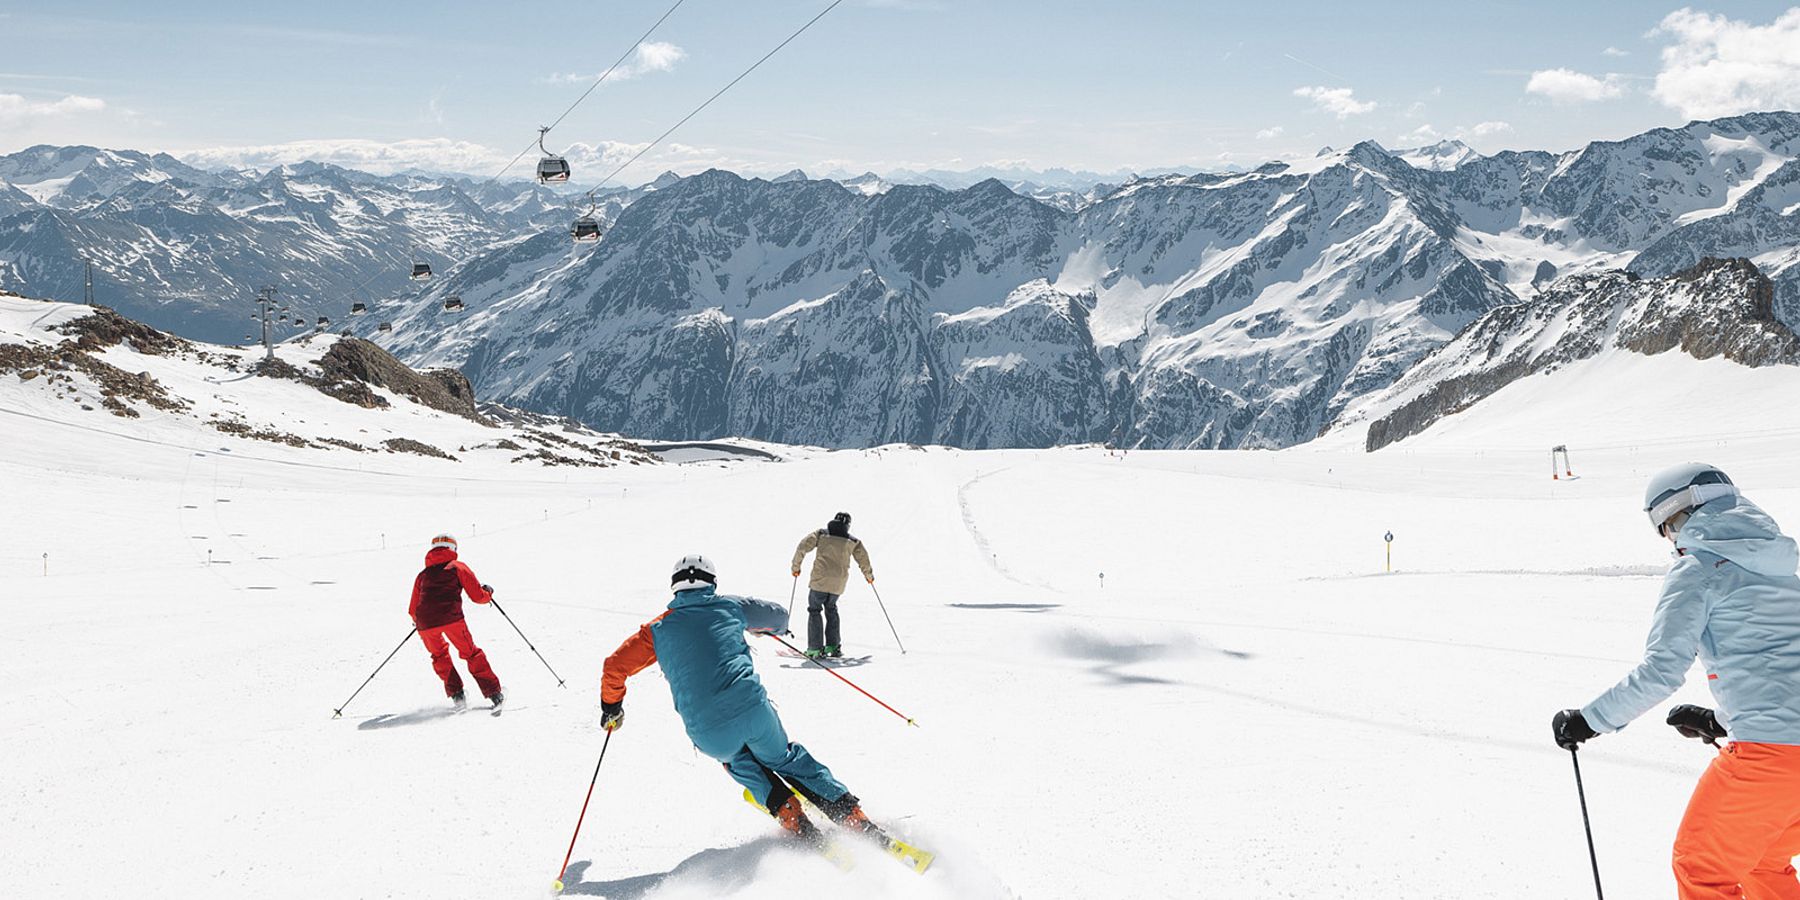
(877,84)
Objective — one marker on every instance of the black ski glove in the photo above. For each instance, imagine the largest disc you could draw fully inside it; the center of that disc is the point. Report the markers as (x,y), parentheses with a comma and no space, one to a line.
(1696,722)
(489,588)
(612,715)
(1570,729)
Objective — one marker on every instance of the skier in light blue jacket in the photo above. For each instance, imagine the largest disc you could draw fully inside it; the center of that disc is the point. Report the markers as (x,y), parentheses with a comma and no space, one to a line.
(1732,598)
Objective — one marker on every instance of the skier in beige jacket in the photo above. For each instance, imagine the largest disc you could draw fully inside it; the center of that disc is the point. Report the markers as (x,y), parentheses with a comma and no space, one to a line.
(834,549)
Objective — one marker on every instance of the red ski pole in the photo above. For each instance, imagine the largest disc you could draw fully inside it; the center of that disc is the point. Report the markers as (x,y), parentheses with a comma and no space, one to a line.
(841,678)
(584,805)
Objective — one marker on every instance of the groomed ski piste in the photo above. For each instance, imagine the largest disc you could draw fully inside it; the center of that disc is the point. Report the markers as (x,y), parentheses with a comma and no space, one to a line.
(1246,705)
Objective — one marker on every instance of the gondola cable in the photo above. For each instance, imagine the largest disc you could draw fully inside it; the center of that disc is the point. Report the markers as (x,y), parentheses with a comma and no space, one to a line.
(721,92)
(591,88)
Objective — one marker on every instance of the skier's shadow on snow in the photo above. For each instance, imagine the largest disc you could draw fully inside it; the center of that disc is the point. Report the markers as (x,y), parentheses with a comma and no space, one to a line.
(842,662)
(396,720)
(1111,656)
(1019,607)
(721,870)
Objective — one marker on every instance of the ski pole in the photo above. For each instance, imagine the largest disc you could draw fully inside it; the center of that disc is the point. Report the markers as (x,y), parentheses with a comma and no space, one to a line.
(1585,824)
(336,713)
(584,805)
(885,615)
(791,592)
(841,678)
(540,656)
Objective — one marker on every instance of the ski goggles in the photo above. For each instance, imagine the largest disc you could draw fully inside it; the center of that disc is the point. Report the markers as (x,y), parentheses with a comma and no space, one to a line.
(1671,504)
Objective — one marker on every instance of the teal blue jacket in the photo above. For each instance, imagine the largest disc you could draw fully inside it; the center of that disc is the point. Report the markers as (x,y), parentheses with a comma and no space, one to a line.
(699,642)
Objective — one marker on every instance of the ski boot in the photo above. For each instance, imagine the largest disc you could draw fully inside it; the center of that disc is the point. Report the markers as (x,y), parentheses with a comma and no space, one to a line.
(458,701)
(815,652)
(847,812)
(793,820)
(833,651)
(496,698)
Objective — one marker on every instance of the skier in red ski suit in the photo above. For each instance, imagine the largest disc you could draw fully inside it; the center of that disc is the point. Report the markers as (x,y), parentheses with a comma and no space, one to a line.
(437,611)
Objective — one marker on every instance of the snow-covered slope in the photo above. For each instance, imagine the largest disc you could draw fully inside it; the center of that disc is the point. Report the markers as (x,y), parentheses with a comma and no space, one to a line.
(323,401)
(1269,717)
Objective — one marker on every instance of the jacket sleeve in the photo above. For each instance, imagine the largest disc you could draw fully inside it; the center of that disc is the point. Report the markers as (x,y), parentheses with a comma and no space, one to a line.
(412,609)
(761,615)
(632,657)
(807,544)
(1669,652)
(470,584)
(861,555)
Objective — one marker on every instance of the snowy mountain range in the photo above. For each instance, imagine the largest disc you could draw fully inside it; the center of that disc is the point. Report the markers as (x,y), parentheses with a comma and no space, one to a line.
(1248,309)
(1215,310)
(1717,308)
(184,249)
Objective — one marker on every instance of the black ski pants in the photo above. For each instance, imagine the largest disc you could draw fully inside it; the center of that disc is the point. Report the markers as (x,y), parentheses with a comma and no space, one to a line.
(821,634)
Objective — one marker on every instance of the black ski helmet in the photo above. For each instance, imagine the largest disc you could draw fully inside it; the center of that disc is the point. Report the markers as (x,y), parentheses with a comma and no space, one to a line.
(840,525)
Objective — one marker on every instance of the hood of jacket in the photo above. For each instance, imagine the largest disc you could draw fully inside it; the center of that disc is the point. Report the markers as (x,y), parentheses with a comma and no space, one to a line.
(437,556)
(693,596)
(1738,530)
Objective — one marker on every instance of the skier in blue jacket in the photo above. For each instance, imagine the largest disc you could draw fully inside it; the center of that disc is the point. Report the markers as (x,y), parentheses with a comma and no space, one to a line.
(699,641)
(1732,598)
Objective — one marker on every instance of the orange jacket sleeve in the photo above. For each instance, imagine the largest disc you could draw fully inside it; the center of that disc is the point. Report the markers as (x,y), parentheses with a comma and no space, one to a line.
(470,584)
(632,657)
(412,609)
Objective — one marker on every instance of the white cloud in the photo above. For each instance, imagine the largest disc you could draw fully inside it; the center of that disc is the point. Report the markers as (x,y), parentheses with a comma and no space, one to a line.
(1570,86)
(379,157)
(651,56)
(1424,134)
(1489,129)
(1340,102)
(1269,133)
(590,162)
(1614,51)
(15,109)
(1719,67)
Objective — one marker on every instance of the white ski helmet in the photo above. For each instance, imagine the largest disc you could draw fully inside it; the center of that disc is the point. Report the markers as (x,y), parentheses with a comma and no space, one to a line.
(693,571)
(443,542)
(1677,489)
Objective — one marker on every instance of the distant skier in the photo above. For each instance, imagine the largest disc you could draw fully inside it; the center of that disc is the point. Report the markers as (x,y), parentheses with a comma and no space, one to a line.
(699,642)
(437,611)
(1732,598)
(835,548)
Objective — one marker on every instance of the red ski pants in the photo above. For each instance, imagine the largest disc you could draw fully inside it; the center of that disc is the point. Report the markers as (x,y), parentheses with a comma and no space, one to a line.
(436,640)
(1742,827)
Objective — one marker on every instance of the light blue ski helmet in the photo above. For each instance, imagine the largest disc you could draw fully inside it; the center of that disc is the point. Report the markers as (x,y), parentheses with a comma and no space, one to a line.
(1677,489)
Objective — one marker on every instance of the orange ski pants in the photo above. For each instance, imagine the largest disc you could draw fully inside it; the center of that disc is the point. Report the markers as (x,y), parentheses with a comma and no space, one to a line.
(458,633)
(1742,827)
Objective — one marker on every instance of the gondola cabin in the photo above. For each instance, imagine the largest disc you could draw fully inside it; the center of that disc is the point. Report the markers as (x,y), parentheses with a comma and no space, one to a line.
(386,326)
(421,272)
(359,309)
(453,304)
(585,229)
(553,170)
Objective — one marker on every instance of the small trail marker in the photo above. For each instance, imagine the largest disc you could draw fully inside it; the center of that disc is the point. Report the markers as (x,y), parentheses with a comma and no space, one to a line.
(1389,538)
